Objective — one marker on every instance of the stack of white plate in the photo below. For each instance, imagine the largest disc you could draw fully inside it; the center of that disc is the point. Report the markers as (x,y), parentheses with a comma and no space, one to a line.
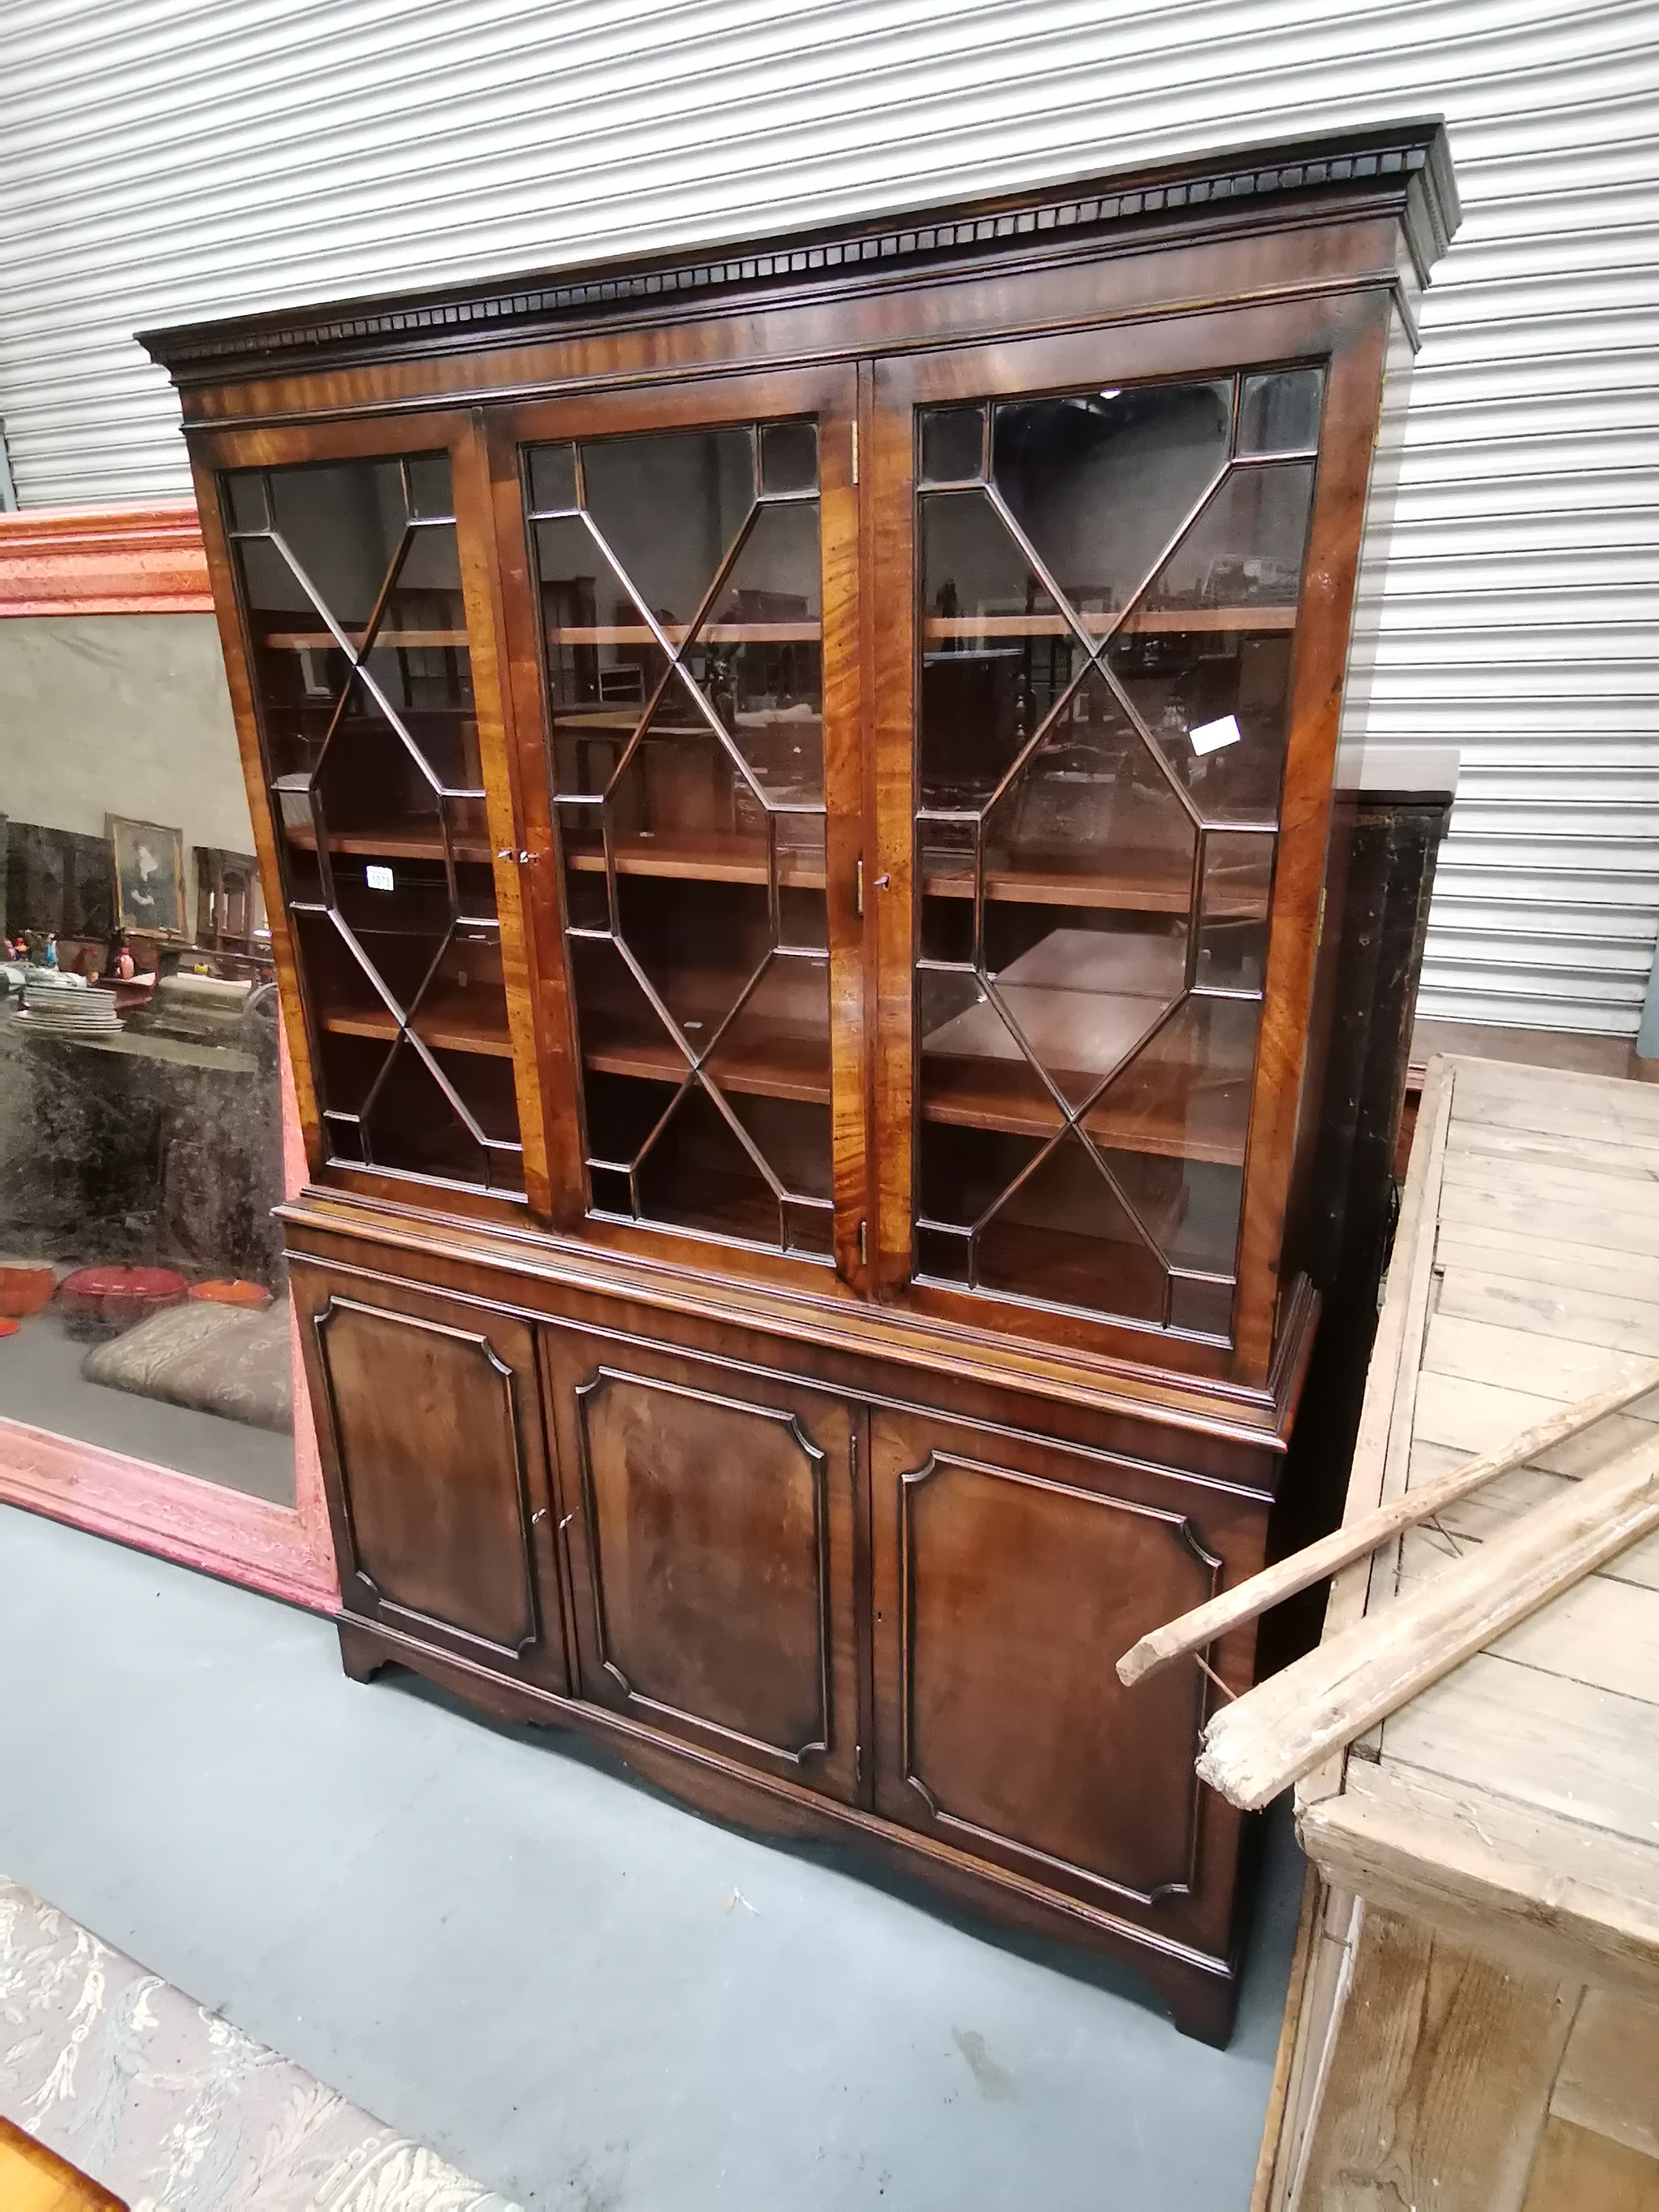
(69,1013)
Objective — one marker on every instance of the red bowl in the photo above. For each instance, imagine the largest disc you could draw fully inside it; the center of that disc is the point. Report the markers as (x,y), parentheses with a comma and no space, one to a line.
(114,1297)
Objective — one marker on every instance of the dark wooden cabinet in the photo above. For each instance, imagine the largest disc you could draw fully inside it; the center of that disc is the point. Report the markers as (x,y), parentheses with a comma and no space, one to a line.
(803,796)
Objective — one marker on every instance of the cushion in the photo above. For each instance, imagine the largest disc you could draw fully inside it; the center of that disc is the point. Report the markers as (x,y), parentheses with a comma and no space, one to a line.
(213,1359)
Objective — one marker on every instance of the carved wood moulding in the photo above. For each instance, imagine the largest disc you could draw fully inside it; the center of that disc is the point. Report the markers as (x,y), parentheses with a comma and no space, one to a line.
(129,560)
(1402,165)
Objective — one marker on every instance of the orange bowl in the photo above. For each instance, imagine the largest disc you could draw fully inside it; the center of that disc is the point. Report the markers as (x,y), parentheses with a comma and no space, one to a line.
(237,1293)
(25,1287)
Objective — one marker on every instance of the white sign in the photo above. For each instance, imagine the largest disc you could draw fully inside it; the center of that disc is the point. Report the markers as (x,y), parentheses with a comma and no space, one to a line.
(379,879)
(1210,737)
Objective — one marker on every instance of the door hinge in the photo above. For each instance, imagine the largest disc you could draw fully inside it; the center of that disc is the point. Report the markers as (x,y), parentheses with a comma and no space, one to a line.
(857,1762)
(855,450)
(1319,926)
(864,1244)
(858,887)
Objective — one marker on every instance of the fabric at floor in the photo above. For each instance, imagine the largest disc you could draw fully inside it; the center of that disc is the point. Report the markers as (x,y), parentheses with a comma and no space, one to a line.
(576,1990)
(173,2108)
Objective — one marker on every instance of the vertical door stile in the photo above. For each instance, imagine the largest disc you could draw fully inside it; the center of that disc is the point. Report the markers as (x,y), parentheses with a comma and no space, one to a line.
(495,457)
(513,854)
(889,470)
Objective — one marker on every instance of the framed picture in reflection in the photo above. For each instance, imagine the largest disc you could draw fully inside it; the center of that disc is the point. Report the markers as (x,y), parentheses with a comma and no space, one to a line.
(149,876)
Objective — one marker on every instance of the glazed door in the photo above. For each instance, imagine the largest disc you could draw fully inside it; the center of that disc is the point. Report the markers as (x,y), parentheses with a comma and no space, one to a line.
(1112,607)
(681,595)
(1009,1575)
(429,1417)
(362,667)
(709,1515)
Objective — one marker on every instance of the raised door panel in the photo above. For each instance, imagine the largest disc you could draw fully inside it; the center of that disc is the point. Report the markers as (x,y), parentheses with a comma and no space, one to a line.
(432,1429)
(1008,1579)
(712,1549)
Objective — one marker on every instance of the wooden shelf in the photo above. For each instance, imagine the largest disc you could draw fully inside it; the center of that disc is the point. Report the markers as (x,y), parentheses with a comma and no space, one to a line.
(1126,889)
(388,844)
(1152,621)
(295,641)
(1065,1269)
(776,1062)
(709,859)
(443,1027)
(1007,1096)
(752,633)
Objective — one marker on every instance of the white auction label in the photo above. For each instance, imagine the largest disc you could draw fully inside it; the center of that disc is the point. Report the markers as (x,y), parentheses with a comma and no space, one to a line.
(1210,737)
(379,879)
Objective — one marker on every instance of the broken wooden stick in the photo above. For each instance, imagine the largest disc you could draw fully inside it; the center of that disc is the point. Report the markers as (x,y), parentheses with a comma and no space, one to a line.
(1277,1732)
(1191,1631)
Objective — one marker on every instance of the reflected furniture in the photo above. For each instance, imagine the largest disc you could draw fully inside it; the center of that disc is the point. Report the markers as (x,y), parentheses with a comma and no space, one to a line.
(805,802)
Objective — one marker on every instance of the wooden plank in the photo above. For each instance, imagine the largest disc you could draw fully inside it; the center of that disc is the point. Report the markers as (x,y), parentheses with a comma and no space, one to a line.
(1515,1301)
(1561,1368)
(1501,1502)
(1600,1159)
(1609,2076)
(1470,1417)
(1604,1632)
(1589,1754)
(1387,1412)
(1602,1228)
(1255,1747)
(1514,1879)
(1194,1630)
(1556,1183)
(1569,1264)
(35,2179)
(1578,2170)
(1439,2078)
(1278,2088)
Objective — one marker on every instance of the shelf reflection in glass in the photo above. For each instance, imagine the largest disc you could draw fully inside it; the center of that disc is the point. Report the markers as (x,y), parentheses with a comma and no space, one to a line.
(350,585)
(679,575)
(1108,584)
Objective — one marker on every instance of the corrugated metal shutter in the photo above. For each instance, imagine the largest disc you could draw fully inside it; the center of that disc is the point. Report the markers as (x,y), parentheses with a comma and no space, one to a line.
(169,159)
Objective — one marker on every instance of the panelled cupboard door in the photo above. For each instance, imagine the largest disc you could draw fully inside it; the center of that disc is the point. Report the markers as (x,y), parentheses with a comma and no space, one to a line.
(710,1515)
(352,577)
(680,571)
(1009,1576)
(1114,572)
(429,1415)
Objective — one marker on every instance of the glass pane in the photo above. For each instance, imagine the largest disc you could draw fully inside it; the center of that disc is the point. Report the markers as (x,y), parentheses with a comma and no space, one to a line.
(789,457)
(698,1175)
(373,745)
(953,444)
(699,849)
(669,506)
(996,650)
(1206,656)
(553,480)
(1107,634)
(1101,482)
(1279,413)
(1064,1234)
(758,658)
(1233,911)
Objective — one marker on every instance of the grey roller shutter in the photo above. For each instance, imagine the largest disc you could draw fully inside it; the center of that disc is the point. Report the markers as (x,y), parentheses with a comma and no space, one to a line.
(165,160)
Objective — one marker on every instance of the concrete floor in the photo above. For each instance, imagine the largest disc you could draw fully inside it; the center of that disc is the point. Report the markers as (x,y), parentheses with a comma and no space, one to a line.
(583,1996)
